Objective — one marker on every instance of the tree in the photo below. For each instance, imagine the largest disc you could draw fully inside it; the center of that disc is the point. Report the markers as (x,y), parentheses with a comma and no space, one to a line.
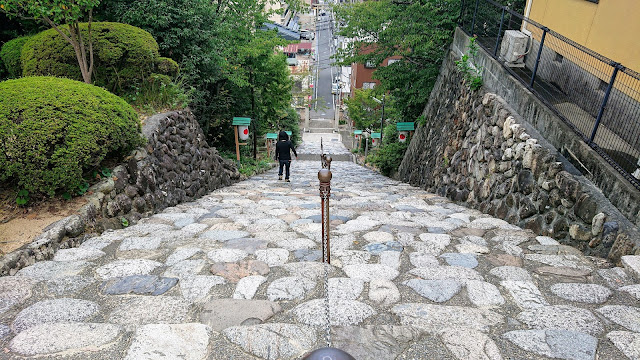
(57,13)
(223,55)
(417,30)
(363,110)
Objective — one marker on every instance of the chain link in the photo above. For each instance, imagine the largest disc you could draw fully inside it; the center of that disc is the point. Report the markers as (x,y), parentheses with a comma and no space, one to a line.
(326,269)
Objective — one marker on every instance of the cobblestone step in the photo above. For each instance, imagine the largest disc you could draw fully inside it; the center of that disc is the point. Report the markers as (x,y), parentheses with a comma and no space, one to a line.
(236,275)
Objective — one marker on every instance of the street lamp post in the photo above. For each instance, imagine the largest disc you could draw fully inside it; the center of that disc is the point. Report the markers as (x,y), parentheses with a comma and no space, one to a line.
(382,117)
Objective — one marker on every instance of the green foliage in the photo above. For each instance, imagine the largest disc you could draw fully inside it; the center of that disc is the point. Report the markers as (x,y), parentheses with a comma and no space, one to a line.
(55,14)
(124,221)
(22,198)
(362,109)
(471,71)
(230,65)
(157,93)
(167,66)
(123,54)
(57,11)
(10,55)
(248,166)
(417,31)
(54,129)
(388,158)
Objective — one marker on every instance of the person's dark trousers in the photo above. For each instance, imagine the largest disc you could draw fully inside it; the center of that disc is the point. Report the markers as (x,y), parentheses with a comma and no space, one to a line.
(287,164)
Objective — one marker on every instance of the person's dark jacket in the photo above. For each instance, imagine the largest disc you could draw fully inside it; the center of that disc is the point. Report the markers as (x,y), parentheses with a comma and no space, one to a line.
(284,147)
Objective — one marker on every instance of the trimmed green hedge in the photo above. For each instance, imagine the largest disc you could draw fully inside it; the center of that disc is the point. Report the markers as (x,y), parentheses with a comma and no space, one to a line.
(167,66)
(54,129)
(10,55)
(123,55)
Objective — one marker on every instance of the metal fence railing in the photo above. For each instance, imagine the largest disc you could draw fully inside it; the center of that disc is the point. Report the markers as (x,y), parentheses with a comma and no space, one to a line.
(597,97)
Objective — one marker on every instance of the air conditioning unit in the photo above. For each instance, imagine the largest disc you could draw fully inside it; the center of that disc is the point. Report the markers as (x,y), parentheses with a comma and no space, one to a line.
(514,48)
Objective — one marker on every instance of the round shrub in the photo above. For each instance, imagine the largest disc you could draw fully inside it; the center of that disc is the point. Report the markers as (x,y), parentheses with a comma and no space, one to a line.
(54,129)
(167,66)
(123,55)
(10,55)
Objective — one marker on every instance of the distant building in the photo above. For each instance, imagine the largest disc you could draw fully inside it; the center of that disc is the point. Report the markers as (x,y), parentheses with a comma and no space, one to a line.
(362,74)
(607,27)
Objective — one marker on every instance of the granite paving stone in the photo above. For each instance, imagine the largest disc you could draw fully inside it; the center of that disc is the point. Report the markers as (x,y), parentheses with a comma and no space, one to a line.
(247,287)
(559,344)
(4,331)
(378,248)
(65,338)
(628,342)
(446,273)
(390,259)
(170,341)
(383,292)
(307,254)
(435,290)
(220,314)
(434,318)
(273,341)
(345,288)
(127,267)
(223,235)
(233,272)
(273,256)
(484,294)
(562,317)
(343,312)
(237,274)
(512,273)
(196,288)
(634,290)
(226,255)
(525,293)
(139,285)
(48,270)
(420,260)
(141,310)
(289,288)
(140,243)
(632,263)
(248,245)
(181,254)
(615,277)
(55,311)
(369,272)
(469,344)
(585,293)
(458,259)
(374,342)
(76,254)
(627,316)
(185,268)
(14,290)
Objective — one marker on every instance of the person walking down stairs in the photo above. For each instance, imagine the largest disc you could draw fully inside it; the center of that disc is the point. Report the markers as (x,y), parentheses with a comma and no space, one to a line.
(283,154)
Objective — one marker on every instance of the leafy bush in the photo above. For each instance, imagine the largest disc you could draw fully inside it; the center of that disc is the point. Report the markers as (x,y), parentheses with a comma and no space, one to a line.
(389,157)
(124,55)
(54,129)
(157,93)
(167,66)
(10,55)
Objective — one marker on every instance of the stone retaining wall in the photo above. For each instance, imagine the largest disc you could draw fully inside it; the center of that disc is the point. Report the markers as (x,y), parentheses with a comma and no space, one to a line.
(177,165)
(475,149)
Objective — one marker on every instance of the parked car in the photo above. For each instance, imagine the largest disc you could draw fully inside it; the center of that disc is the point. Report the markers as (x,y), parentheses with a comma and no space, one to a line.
(307,35)
(335,88)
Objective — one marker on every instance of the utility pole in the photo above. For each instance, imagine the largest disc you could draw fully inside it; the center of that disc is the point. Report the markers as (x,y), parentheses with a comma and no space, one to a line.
(381,117)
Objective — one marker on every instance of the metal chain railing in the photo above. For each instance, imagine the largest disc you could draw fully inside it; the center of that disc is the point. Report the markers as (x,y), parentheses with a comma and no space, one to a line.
(324,175)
